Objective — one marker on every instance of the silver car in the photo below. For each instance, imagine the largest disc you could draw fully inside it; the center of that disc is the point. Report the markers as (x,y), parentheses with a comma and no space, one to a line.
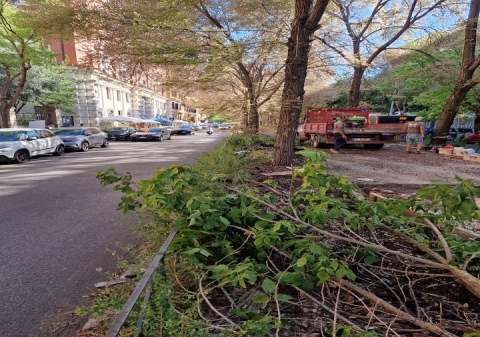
(21,144)
(82,138)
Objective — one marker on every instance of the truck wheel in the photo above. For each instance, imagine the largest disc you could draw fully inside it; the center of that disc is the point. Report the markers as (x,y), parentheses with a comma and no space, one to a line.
(372,146)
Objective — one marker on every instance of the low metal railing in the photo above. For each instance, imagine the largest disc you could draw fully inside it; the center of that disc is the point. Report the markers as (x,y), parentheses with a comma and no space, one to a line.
(145,281)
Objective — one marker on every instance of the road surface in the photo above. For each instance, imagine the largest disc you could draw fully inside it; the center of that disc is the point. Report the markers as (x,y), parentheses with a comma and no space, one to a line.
(56,223)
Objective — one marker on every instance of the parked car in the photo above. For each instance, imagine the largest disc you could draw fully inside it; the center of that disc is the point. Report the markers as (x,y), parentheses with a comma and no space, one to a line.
(429,131)
(82,138)
(21,144)
(120,133)
(474,137)
(462,132)
(184,129)
(225,126)
(196,127)
(157,134)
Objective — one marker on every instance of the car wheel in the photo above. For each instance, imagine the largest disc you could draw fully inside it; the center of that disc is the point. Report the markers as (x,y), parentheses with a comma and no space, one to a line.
(106,143)
(160,139)
(169,137)
(21,156)
(84,147)
(128,138)
(59,151)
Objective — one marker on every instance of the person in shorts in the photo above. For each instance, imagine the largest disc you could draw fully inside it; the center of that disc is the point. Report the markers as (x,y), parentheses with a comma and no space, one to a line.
(339,135)
(415,134)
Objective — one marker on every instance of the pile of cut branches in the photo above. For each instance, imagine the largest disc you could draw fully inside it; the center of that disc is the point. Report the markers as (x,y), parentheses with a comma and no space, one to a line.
(303,256)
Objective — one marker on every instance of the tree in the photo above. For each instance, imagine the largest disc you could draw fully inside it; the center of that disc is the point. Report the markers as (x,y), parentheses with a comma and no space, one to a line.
(45,85)
(227,43)
(19,49)
(371,27)
(466,79)
(305,22)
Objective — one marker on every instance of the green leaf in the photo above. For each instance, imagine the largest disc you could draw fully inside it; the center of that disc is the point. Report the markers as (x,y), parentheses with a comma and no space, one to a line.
(205,252)
(283,297)
(350,275)
(224,221)
(369,259)
(260,299)
(301,261)
(316,249)
(268,286)
(323,276)
(277,227)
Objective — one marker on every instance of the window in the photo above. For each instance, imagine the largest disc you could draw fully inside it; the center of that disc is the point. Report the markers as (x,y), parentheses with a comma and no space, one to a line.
(45,134)
(127,98)
(32,134)
(109,93)
(119,95)
(93,131)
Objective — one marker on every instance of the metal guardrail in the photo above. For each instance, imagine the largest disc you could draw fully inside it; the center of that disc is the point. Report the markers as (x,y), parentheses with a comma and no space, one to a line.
(145,281)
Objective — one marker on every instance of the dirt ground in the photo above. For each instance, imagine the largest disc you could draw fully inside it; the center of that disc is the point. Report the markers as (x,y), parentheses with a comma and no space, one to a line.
(391,168)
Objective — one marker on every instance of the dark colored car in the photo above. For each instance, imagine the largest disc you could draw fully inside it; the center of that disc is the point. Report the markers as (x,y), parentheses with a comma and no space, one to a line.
(120,133)
(184,129)
(154,134)
(456,132)
(82,138)
(429,131)
(473,137)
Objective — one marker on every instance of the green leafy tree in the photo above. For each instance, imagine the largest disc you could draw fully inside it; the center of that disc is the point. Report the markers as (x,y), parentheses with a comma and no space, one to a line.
(358,32)
(46,86)
(467,77)
(19,49)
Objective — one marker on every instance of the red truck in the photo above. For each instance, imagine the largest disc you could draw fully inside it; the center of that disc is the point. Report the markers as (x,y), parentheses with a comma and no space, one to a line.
(373,131)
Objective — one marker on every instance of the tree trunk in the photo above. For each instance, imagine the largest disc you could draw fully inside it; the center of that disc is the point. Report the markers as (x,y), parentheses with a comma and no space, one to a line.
(305,22)
(245,119)
(50,116)
(4,114)
(476,126)
(354,93)
(464,80)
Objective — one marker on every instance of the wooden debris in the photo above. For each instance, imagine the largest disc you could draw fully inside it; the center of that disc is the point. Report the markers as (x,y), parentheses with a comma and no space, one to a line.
(110,283)
(372,196)
(358,195)
(365,179)
(281,173)
(466,233)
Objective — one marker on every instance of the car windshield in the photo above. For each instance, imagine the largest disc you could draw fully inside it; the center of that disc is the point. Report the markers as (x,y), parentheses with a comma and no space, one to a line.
(68,132)
(156,130)
(185,126)
(117,129)
(8,136)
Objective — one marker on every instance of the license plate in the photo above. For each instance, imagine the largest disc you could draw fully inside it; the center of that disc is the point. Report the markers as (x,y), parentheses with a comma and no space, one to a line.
(361,139)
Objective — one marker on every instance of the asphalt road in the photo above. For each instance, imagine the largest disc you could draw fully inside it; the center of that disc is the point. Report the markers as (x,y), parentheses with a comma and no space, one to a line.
(56,223)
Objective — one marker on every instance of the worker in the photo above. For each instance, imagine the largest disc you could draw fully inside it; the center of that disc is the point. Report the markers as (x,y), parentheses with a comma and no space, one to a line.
(415,133)
(339,134)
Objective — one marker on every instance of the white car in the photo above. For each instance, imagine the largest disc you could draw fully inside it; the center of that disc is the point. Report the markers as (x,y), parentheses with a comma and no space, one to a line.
(21,144)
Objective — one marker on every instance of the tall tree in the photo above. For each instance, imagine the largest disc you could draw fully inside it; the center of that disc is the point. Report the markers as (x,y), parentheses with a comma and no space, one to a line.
(229,41)
(358,31)
(466,80)
(19,49)
(305,22)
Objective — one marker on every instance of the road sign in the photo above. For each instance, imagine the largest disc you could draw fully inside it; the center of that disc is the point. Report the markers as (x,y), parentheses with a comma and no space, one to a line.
(171,119)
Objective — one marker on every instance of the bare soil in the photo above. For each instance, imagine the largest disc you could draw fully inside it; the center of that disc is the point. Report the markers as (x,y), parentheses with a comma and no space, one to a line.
(394,169)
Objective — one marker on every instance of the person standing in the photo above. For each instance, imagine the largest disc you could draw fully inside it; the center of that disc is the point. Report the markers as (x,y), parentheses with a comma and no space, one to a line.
(339,135)
(415,134)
